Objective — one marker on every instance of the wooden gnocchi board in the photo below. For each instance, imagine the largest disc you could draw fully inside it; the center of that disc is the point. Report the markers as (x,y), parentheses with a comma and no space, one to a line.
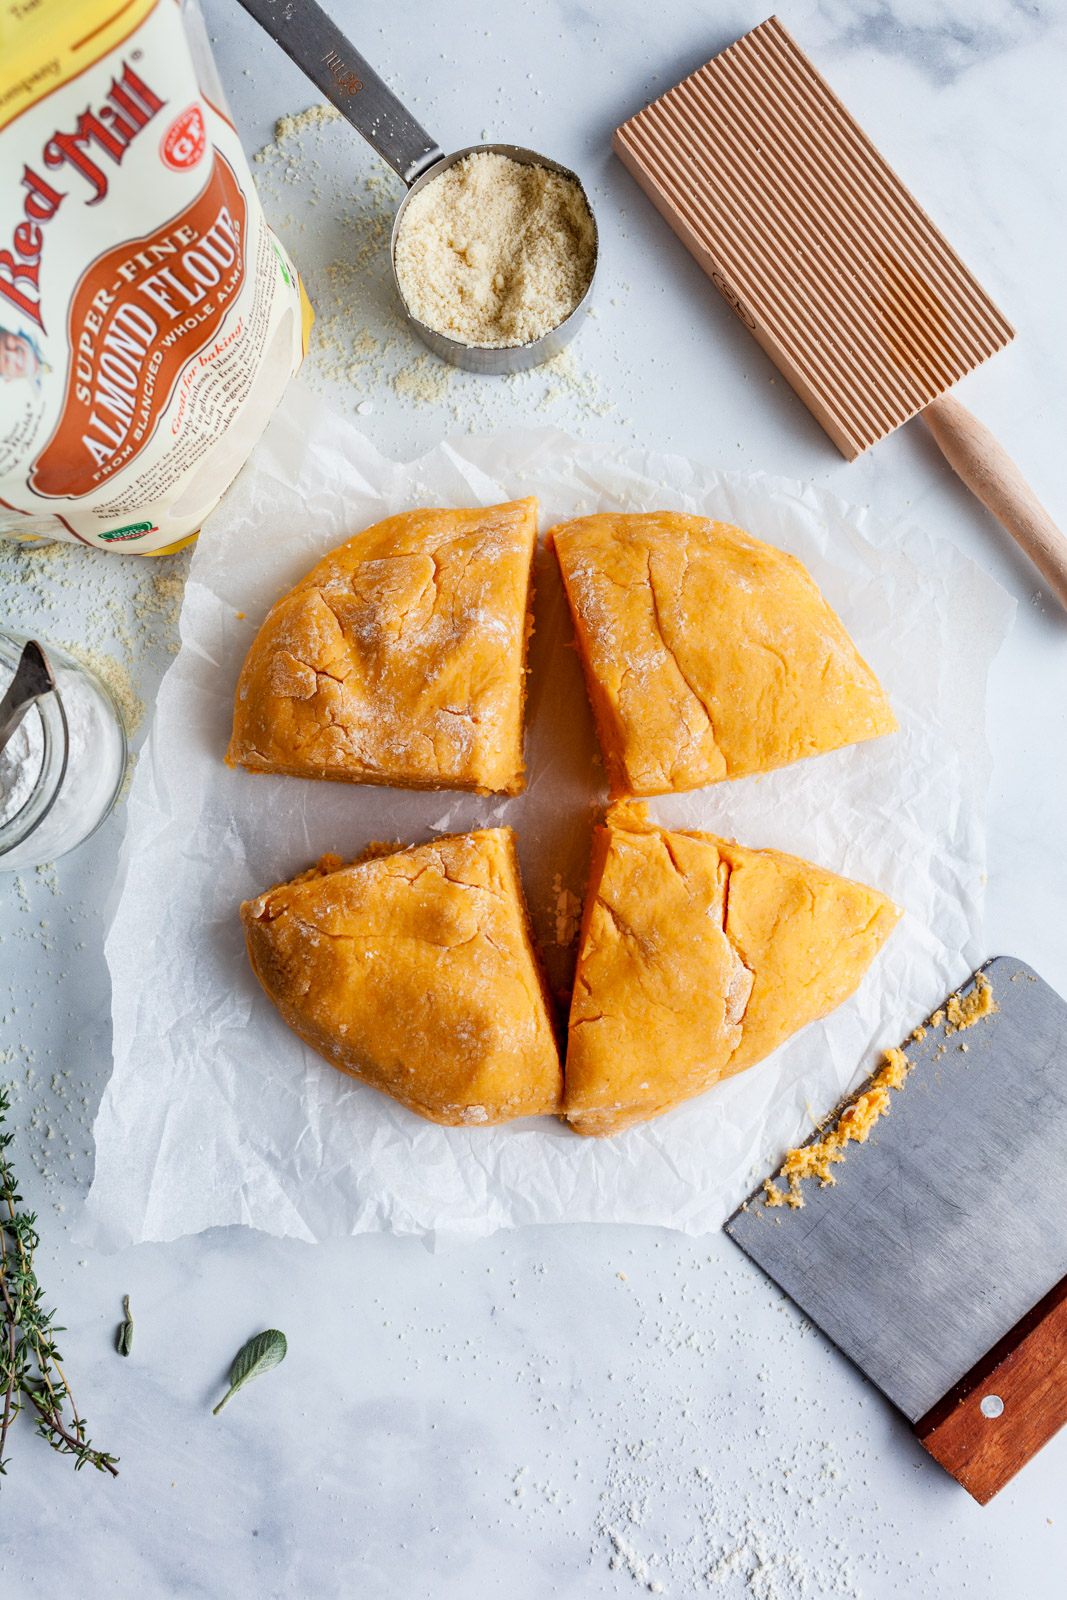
(810,236)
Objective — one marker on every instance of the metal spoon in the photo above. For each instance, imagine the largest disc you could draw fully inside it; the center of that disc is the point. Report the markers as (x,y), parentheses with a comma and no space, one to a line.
(33,678)
(335,66)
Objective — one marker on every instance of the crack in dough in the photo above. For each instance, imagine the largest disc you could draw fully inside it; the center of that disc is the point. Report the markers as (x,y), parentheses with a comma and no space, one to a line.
(416,972)
(698,958)
(707,654)
(400,658)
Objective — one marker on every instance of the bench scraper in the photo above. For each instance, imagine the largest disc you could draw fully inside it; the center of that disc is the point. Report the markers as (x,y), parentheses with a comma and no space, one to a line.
(937,1261)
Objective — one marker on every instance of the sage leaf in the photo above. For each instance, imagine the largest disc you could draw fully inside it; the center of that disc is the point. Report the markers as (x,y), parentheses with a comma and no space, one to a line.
(124,1336)
(263,1351)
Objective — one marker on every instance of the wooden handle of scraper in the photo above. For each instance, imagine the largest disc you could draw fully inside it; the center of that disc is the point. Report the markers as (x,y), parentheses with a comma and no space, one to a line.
(990,473)
(1010,1404)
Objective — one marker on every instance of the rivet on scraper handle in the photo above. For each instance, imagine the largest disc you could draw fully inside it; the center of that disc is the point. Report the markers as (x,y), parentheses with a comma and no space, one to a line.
(1008,1406)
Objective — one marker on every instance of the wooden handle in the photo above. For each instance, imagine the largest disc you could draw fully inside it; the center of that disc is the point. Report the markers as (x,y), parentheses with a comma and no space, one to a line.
(989,472)
(1009,1405)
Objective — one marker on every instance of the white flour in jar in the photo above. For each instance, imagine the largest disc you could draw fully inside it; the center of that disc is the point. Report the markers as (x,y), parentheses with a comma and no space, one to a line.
(21,760)
(95,767)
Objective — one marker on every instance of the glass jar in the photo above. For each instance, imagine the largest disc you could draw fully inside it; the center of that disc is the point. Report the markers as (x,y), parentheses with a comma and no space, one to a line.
(63,768)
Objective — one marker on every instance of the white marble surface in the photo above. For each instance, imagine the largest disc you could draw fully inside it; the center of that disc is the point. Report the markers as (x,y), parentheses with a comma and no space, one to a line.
(423,1392)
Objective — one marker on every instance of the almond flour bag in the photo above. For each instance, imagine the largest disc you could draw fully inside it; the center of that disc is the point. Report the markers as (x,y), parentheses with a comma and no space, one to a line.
(149,318)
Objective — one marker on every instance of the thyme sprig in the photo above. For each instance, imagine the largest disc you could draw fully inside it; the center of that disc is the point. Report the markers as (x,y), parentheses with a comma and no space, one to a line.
(30,1371)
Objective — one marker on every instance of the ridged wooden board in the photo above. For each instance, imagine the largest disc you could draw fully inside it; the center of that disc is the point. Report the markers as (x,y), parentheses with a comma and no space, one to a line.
(811,237)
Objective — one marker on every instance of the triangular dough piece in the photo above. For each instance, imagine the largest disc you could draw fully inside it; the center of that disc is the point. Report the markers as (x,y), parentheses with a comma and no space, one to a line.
(416,973)
(400,658)
(707,654)
(697,958)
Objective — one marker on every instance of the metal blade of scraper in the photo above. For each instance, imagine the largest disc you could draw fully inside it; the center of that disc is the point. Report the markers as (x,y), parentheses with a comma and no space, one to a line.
(946,1229)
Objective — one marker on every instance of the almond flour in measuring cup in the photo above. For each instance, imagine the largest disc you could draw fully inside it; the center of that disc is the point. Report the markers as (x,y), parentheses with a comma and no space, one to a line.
(495,252)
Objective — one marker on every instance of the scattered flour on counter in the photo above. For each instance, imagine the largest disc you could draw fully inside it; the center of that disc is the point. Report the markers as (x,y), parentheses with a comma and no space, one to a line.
(758,1538)
(361,346)
(719,1476)
(114,613)
(116,677)
(290,127)
(424,379)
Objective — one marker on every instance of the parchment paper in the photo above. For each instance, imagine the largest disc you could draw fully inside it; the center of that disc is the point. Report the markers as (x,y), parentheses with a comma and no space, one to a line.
(216,1113)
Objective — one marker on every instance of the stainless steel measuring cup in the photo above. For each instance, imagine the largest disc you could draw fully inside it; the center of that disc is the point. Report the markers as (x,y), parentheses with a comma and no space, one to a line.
(321,50)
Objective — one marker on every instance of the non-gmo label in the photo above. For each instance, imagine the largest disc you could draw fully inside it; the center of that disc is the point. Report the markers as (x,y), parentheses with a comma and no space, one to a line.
(281,263)
(132,530)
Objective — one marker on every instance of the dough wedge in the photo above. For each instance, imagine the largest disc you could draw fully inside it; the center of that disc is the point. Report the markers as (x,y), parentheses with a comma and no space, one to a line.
(697,958)
(707,654)
(400,658)
(416,972)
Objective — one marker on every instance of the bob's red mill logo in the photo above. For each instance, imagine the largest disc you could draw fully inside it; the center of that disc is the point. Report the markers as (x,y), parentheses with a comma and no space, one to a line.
(142,316)
(109,132)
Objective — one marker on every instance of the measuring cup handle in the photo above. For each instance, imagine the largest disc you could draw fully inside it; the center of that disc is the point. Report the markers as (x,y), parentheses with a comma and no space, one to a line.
(320,49)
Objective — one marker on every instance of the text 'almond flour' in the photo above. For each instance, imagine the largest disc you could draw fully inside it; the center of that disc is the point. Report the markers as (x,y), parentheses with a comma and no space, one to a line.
(149,318)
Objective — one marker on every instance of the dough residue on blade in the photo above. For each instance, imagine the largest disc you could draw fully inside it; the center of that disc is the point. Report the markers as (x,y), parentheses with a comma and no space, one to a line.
(971,1008)
(855,1123)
